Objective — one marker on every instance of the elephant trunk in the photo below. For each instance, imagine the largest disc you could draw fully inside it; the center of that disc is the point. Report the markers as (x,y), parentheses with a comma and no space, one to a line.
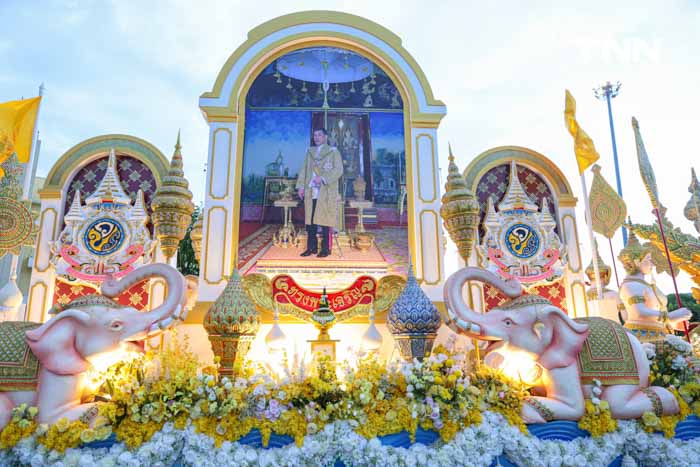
(458,316)
(172,309)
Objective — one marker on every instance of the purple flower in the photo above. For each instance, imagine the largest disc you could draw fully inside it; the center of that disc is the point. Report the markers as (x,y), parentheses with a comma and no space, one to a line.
(501,395)
(437,424)
(435,414)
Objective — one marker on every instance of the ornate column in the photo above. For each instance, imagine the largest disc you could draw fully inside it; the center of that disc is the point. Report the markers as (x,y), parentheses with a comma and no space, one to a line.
(219,219)
(424,215)
(574,278)
(41,286)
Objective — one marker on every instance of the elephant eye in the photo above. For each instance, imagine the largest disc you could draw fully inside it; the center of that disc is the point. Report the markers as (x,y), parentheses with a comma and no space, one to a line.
(508,322)
(116,325)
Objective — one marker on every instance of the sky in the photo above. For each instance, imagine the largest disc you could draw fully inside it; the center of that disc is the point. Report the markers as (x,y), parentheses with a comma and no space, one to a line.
(500,67)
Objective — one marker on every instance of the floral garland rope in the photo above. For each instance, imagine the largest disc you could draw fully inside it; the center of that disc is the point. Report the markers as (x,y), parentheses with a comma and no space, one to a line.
(478,445)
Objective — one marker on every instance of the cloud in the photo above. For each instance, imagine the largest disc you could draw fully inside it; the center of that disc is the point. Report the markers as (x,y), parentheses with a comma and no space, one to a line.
(501,68)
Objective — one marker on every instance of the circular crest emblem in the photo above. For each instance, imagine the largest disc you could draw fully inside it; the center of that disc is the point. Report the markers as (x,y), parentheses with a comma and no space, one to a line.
(15,224)
(522,240)
(104,236)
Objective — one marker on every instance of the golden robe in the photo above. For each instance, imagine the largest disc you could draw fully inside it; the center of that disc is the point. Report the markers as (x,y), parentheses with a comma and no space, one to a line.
(329,165)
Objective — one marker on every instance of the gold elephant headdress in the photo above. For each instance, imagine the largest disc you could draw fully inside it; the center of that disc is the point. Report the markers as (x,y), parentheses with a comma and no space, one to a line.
(85,301)
(524,301)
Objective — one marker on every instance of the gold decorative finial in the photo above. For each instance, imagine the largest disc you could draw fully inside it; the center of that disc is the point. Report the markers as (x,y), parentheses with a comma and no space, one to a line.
(603,269)
(172,205)
(459,210)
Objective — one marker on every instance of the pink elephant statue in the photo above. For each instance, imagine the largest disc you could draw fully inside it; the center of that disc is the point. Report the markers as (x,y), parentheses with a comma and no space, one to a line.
(91,328)
(576,358)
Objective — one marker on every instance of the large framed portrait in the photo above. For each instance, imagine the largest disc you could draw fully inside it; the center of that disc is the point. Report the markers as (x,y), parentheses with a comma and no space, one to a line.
(323,192)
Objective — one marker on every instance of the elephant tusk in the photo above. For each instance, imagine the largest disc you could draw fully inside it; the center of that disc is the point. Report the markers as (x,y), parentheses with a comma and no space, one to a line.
(458,324)
(468,326)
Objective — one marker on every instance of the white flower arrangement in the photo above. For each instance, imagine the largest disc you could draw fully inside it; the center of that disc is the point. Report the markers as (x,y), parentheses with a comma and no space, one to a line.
(478,445)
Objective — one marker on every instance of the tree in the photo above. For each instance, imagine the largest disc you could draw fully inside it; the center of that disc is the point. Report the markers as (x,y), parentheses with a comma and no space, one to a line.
(688,302)
(186,261)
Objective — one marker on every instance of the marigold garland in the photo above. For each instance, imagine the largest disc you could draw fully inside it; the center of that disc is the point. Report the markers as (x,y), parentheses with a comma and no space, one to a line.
(597,420)
(443,393)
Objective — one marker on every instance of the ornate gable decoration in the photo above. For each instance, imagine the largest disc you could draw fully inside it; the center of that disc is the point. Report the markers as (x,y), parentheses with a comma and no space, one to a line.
(519,240)
(107,235)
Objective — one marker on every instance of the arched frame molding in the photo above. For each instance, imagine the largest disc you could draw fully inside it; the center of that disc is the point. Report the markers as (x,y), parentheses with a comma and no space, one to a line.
(224,108)
(539,163)
(86,151)
(566,213)
(53,194)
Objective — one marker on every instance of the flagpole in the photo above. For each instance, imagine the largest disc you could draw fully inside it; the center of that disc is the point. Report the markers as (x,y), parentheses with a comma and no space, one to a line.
(591,237)
(612,254)
(607,92)
(29,168)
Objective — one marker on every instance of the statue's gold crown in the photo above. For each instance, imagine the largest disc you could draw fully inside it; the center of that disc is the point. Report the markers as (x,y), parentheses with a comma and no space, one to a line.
(86,301)
(633,250)
(523,301)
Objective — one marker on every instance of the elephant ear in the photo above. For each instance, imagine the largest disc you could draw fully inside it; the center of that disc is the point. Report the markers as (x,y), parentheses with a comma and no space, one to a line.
(53,343)
(568,337)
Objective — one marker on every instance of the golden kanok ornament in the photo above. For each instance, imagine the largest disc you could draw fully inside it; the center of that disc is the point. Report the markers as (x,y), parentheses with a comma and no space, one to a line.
(608,209)
(459,211)
(172,206)
(692,209)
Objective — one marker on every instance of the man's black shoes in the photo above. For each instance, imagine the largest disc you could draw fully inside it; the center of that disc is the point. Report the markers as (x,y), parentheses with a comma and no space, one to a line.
(324,253)
(309,253)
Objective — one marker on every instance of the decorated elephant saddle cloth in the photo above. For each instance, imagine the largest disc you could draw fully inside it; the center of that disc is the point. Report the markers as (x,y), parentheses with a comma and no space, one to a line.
(19,368)
(607,354)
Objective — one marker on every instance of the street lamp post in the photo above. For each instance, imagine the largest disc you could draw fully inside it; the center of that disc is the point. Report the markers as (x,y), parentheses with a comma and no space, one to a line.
(607,92)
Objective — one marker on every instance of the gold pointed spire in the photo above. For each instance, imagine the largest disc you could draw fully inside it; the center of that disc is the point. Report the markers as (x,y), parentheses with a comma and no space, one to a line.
(633,251)
(515,197)
(75,213)
(139,209)
(603,268)
(172,205)
(110,187)
(459,210)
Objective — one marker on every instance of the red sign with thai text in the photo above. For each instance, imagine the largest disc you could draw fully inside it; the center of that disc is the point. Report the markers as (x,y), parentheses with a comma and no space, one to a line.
(361,292)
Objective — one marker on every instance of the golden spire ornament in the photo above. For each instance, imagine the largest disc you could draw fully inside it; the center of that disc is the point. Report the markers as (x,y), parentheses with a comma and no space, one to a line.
(172,205)
(232,323)
(196,235)
(459,210)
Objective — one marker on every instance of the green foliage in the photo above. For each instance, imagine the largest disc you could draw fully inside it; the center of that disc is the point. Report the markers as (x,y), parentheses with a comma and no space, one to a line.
(688,302)
(186,261)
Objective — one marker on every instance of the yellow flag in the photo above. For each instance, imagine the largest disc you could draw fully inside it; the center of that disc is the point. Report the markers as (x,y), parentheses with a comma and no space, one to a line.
(585,151)
(17,120)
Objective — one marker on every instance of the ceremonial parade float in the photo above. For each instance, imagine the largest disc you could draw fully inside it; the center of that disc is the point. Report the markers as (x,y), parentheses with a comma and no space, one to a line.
(305,313)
